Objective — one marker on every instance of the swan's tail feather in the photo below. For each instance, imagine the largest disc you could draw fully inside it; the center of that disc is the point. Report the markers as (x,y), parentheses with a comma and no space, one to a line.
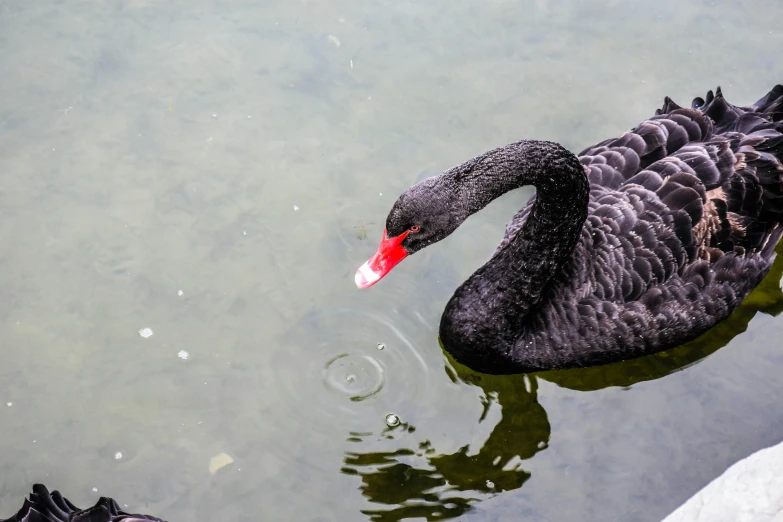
(771,104)
(768,251)
(669,105)
(738,157)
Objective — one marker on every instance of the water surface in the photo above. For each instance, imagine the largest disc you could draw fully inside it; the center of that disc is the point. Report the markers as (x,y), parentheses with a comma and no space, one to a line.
(215,171)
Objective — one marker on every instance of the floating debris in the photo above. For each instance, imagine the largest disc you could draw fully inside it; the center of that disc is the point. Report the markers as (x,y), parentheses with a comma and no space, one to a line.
(94,490)
(249,117)
(118,455)
(490,484)
(214,115)
(296,208)
(182,354)
(219,462)
(145,332)
(381,346)
(9,404)
(180,293)
(351,64)
(334,40)
(392,420)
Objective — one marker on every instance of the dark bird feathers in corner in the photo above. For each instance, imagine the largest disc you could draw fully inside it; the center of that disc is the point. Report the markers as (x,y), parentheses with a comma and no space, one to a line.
(43,506)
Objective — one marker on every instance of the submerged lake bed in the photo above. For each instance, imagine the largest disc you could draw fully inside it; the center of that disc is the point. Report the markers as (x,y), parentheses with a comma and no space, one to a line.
(188,188)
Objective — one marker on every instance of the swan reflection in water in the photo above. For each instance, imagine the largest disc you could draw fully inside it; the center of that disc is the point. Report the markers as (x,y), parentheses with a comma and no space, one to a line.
(422,482)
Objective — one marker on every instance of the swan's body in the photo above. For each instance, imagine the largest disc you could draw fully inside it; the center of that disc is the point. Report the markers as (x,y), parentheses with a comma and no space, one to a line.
(53,507)
(638,245)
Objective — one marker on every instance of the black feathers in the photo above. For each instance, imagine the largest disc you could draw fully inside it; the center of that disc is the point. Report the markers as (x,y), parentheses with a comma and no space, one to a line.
(682,218)
(53,507)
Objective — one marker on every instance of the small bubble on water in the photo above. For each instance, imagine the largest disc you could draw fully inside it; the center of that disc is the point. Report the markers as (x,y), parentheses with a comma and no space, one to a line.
(118,455)
(145,332)
(350,377)
(392,420)
(381,346)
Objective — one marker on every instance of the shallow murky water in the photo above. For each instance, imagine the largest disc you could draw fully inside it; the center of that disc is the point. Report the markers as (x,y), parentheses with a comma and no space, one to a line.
(214,172)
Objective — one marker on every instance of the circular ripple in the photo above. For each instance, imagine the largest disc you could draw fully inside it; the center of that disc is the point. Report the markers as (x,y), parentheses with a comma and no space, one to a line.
(358,377)
(330,374)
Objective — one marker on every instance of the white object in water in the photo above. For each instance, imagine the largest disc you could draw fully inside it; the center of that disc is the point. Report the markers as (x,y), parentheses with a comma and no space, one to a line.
(145,332)
(392,420)
(751,490)
(182,354)
(218,462)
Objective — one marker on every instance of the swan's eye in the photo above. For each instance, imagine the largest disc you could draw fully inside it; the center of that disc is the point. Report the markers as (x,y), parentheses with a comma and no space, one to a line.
(415,228)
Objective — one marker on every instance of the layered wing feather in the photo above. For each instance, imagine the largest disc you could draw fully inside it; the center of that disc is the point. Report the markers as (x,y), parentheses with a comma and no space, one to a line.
(684,214)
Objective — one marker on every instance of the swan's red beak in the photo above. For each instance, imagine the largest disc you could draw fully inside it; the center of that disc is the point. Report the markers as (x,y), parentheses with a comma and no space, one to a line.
(389,253)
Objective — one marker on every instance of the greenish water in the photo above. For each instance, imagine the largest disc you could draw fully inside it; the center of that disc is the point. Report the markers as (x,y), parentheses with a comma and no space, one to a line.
(246,154)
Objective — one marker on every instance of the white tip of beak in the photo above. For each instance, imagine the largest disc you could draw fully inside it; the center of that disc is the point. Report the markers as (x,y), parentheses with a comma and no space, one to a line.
(365,277)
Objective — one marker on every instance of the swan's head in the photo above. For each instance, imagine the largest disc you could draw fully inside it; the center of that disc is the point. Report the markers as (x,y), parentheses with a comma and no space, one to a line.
(424,214)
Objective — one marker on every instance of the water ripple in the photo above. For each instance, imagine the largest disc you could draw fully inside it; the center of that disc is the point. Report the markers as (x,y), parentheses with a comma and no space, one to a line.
(342,371)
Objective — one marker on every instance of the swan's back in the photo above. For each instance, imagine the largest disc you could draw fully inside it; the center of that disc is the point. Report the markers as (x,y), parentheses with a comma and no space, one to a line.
(685,212)
(717,163)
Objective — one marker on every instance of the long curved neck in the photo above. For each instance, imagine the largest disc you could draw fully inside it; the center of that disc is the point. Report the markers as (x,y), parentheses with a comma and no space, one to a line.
(490,307)
(560,180)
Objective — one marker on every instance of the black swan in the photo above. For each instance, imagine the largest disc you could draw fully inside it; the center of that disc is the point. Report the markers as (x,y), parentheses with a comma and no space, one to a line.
(53,507)
(638,244)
